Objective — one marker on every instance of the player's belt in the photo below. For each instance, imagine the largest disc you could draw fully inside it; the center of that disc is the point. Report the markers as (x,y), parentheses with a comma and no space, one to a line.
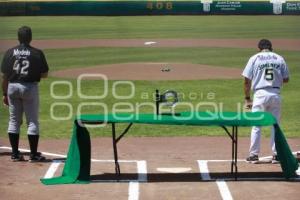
(25,82)
(267,88)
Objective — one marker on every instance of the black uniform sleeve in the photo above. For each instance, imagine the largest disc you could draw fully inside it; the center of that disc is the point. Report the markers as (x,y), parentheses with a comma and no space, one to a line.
(44,65)
(4,64)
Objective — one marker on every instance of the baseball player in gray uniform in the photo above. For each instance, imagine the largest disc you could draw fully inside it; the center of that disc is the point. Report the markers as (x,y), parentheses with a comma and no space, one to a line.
(265,74)
(22,67)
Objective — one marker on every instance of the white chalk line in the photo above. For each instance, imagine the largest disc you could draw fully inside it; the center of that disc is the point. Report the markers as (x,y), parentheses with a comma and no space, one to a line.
(203,169)
(132,161)
(205,174)
(142,171)
(134,186)
(133,190)
(222,186)
(52,169)
(45,153)
(174,170)
(129,161)
(64,156)
(224,190)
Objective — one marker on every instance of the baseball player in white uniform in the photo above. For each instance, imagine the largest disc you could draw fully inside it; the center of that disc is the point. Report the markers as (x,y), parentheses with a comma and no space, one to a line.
(265,74)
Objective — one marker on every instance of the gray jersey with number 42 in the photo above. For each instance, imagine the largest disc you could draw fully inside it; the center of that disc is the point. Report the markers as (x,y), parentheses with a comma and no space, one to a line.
(266,69)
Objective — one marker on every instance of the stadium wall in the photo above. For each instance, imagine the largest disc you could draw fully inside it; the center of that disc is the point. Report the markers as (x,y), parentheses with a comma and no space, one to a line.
(127,8)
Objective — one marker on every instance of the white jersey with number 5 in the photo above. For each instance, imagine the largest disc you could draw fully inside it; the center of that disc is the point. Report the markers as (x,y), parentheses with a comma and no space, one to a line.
(266,69)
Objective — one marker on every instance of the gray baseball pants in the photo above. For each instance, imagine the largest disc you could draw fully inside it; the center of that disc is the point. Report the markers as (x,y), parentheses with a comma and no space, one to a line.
(23,98)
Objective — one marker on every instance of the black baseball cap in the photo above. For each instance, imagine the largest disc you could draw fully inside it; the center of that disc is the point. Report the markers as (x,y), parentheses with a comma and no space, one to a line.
(265,44)
(24,35)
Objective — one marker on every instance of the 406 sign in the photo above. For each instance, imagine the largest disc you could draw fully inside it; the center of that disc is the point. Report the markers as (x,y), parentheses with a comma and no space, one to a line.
(159,5)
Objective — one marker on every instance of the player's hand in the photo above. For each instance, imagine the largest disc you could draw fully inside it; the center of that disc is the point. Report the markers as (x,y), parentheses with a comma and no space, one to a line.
(248,104)
(5,101)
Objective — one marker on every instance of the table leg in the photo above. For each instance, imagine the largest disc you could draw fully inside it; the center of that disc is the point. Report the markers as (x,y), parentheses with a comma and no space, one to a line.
(117,166)
(233,137)
(232,150)
(236,150)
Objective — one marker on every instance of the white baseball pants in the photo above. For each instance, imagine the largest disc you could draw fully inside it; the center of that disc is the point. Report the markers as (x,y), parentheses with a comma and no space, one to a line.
(267,100)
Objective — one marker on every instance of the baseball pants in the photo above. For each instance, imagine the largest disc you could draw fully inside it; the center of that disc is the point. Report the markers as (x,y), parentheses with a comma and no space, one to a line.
(23,98)
(267,101)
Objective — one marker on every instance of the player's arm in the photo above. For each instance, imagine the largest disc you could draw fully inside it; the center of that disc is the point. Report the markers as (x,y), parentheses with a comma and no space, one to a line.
(247,88)
(4,66)
(44,75)
(4,90)
(44,68)
(248,75)
(285,72)
(247,91)
(4,85)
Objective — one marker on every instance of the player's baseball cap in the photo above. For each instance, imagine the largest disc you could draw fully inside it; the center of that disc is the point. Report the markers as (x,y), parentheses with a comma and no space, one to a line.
(265,44)
(24,35)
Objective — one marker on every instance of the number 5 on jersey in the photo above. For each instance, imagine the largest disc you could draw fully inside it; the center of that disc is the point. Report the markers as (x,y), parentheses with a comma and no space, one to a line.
(269,76)
(21,67)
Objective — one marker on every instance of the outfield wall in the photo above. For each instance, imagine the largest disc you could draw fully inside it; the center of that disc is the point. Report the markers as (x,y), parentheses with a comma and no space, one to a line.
(119,8)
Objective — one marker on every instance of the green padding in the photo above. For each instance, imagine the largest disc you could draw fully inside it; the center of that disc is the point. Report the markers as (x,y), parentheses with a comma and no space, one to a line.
(119,8)
(78,163)
(77,167)
(187,118)
(289,163)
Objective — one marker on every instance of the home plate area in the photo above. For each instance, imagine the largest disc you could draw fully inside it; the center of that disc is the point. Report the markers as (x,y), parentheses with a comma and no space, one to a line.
(151,168)
(212,179)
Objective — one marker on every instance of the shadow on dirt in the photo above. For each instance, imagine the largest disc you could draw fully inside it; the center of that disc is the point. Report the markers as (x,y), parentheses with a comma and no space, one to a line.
(191,177)
(27,154)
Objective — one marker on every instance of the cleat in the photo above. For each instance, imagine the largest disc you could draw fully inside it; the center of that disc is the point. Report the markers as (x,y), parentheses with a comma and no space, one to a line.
(275,159)
(16,157)
(36,157)
(252,159)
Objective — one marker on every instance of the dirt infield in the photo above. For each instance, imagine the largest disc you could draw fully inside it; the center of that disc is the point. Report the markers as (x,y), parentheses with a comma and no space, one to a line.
(262,181)
(282,44)
(154,71)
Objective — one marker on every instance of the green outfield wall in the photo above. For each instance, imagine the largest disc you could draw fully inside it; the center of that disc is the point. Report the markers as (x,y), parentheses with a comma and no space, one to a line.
(127,8)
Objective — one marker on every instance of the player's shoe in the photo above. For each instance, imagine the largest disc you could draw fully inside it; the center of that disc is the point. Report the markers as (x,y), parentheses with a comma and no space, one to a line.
(15,157)
(36,157)
(252,159)
(275,159)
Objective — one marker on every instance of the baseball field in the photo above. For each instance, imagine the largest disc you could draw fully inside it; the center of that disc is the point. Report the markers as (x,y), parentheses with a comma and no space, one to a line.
(230,92)
(205,56)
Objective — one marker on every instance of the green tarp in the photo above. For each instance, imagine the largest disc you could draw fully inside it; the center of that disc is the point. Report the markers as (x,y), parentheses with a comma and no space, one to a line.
(78,163)
(77,167)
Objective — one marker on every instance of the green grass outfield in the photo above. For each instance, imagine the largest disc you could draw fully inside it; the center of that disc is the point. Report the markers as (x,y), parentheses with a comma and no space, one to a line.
(155,27)
(230,92)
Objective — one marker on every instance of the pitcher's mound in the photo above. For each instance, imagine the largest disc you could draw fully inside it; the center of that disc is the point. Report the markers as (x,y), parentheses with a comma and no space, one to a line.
(154,71)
